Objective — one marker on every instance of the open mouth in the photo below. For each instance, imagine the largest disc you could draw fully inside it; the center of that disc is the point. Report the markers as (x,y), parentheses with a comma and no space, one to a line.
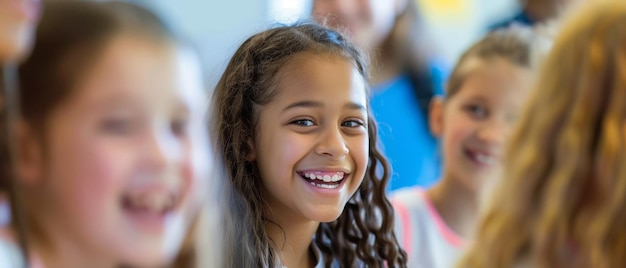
(480,158)
(324,180)
(149,203)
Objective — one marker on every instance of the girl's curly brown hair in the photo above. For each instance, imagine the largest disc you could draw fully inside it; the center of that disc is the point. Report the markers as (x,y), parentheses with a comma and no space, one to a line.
(562,200)
(363,234)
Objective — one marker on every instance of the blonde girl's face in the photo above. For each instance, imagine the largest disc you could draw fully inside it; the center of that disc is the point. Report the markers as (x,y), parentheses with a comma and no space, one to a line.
(17,27)
(120,175)
(474,123)
(311,144)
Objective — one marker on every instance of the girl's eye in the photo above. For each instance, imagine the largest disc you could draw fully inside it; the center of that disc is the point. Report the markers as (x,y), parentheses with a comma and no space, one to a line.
(476,111)
(179,127)
(303,122)
(353,123)
(117,126)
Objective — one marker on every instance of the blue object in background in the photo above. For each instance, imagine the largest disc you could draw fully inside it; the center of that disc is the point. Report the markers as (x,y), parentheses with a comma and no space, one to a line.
(404,132)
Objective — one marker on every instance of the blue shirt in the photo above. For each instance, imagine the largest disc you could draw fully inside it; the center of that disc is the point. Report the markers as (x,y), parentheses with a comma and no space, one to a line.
(405,135)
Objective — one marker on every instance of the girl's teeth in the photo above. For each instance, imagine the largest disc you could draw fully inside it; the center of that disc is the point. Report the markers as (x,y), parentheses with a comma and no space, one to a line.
(325,186)
(484,159)
(325,178)
(155,203)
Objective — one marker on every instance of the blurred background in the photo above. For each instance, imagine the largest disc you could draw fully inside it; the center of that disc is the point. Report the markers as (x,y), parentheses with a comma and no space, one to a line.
(217,28)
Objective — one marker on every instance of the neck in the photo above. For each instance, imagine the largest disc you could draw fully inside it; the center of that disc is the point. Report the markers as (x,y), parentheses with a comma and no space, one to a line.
(541,10)
(457,205)
(293,238)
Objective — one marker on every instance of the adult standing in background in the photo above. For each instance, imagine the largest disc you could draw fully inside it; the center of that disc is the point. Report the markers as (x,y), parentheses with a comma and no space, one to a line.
(404,77)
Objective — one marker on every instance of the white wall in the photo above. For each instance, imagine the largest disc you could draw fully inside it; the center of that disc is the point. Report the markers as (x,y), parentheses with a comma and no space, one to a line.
(216,27)
(219,26)
(453,32)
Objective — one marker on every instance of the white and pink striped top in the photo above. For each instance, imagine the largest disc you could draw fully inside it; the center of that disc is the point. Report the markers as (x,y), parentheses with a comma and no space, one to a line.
(427,240)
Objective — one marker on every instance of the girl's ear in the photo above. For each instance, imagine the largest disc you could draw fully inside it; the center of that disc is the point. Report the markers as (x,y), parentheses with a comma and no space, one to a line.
(251,155)
(29,162)
(436,118)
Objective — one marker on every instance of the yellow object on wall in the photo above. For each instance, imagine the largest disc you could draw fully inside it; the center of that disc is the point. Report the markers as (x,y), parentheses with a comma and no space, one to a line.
(445,10)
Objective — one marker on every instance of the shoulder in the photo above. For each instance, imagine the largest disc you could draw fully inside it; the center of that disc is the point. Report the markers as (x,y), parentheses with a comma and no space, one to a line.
(407,197)
(10,254)
(409,204)
(409,209)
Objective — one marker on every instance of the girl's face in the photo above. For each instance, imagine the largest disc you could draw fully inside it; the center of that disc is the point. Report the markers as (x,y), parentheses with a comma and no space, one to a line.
(118,171)
(474,123)
(369,22)
(311,145)
(17,26)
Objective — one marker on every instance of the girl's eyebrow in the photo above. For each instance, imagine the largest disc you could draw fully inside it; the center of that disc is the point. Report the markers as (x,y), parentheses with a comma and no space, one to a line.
(355,106)
(304,104)
(478,98)
(316,104)
(103,103)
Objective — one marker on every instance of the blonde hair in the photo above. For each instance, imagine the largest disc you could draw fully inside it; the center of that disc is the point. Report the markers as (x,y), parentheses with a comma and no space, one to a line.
(562,202)
(519,45)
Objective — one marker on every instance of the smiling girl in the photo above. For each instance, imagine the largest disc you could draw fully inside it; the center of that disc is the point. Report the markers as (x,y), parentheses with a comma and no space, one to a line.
(298,139)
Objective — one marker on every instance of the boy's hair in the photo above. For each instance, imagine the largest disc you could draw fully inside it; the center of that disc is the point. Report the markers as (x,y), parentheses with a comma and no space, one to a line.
(518,44)
(69,40)
(562,202)
(248,83)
